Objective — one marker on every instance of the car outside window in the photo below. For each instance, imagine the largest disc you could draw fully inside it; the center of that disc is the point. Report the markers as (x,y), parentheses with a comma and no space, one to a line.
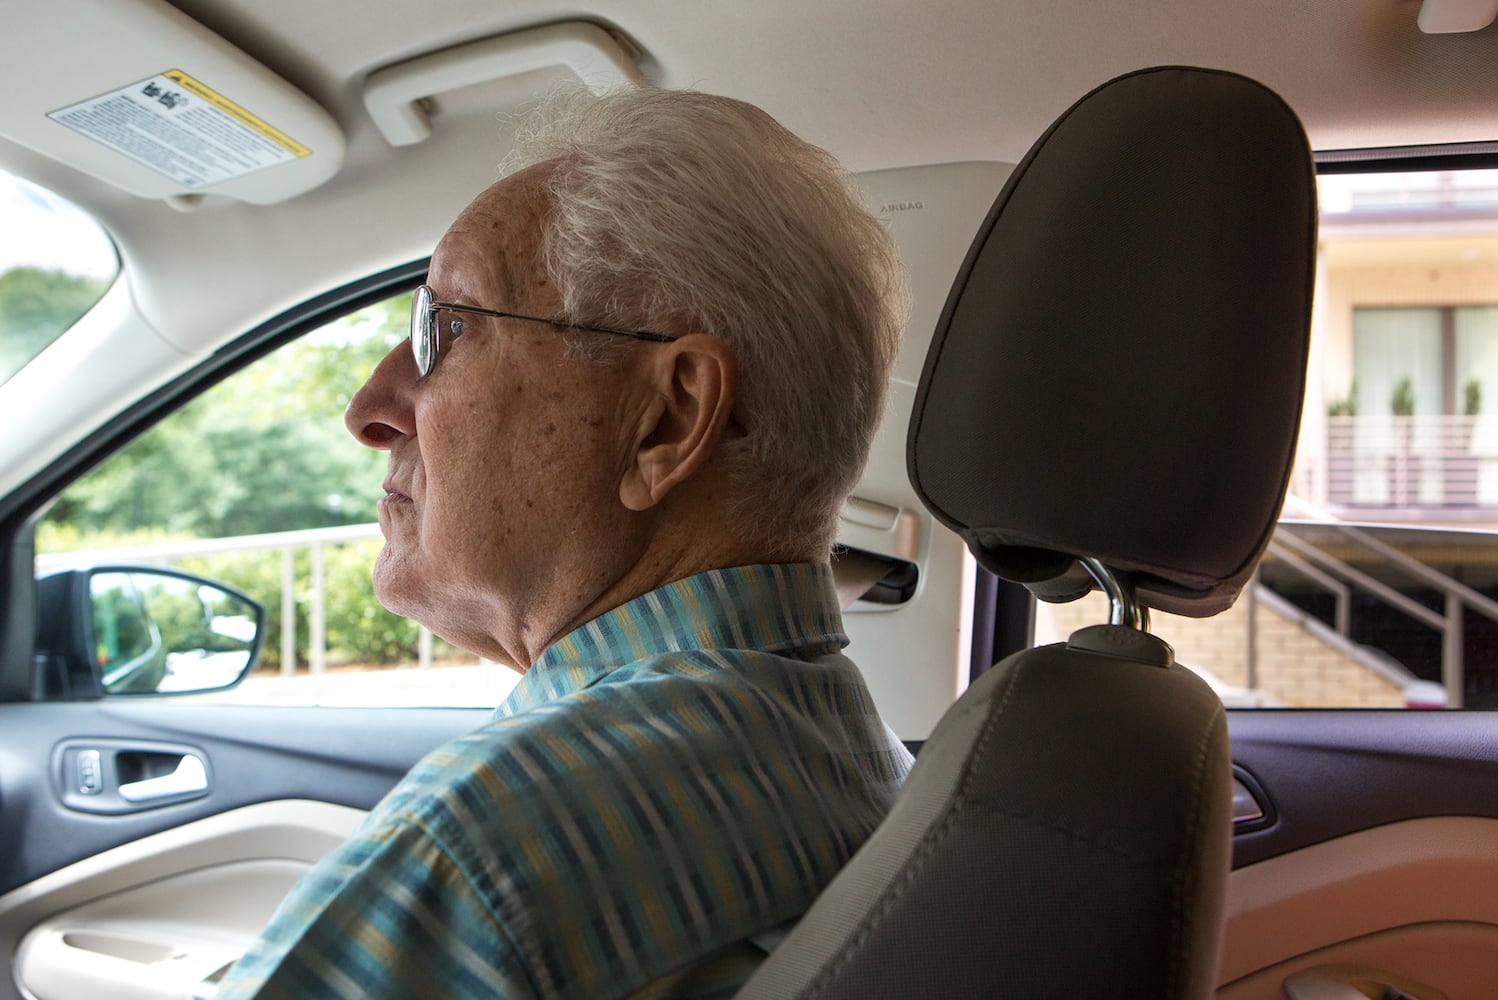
(55,263)
(256,484)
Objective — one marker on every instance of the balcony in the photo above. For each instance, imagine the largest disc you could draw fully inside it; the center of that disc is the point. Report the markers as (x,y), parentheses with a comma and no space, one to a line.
(1428,467)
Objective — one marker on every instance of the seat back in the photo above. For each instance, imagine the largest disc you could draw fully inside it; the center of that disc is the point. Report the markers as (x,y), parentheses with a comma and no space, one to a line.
(1111,399)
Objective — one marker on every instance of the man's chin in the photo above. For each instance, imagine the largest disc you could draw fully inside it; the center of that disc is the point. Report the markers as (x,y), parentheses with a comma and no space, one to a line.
(391,583)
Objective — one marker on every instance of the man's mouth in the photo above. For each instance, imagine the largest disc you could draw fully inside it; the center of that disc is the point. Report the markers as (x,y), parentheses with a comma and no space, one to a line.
(393,494)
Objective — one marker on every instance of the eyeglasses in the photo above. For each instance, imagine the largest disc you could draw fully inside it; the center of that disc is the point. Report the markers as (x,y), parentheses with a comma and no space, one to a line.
(426,339)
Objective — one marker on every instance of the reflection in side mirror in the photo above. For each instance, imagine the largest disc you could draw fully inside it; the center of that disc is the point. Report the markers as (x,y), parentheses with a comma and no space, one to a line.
(127,642)
(144,630)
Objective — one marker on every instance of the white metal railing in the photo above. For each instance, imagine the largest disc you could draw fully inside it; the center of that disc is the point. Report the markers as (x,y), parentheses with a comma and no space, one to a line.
(315,540)
(1393,462)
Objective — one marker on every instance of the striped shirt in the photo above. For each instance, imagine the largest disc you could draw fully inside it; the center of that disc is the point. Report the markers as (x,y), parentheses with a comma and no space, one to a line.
(678,776)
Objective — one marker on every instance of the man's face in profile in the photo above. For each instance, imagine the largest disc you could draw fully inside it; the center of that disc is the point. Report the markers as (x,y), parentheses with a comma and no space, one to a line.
(502,496)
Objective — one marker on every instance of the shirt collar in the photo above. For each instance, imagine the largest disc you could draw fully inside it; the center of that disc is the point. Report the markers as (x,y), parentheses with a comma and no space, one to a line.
(771,608)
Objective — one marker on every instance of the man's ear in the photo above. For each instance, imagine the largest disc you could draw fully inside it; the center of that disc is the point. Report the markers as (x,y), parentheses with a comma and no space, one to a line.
(692,383)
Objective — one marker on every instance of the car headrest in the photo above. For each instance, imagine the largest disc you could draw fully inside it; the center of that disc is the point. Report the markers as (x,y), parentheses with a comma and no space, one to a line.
(1119,368)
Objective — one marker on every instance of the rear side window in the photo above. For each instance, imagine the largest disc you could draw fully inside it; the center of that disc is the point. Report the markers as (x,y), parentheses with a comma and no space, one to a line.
(55,263)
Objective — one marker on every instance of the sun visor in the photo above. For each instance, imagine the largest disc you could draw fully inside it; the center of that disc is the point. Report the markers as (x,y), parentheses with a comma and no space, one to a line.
(139,95)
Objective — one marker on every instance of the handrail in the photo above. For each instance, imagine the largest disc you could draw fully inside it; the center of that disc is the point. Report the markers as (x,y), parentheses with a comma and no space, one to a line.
(154,551)
(1383,591)
(1475,600)
(1458,596)
(1341,592)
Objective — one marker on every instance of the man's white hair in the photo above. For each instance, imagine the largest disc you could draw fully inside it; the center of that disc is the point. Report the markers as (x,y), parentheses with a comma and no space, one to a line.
(690,212)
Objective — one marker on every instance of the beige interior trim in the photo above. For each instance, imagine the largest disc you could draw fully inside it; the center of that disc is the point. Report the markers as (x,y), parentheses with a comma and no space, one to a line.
(148,890)
(1441,961)
(394,96)
(162,940)
(1442,870)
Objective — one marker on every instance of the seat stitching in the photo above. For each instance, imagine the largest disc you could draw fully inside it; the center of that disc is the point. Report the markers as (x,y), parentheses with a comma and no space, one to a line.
(898,888)
(1186,874)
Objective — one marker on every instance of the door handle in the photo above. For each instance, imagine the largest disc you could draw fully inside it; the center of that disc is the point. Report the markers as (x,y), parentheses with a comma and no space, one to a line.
(110,777)
(190,776)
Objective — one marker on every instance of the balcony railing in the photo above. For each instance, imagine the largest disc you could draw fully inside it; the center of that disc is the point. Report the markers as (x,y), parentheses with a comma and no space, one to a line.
(1410,463)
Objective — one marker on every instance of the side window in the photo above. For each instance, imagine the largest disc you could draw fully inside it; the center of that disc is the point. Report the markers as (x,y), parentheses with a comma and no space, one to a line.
(255,484)
(1380,587)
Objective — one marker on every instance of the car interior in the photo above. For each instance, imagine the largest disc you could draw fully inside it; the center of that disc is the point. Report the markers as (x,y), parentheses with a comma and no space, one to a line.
(1114,380)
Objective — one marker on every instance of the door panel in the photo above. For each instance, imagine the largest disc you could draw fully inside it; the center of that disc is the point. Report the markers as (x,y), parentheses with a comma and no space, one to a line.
(349,757)
(118,894)
(1380,862)
(1409,905)
(163,916)
(1327,773)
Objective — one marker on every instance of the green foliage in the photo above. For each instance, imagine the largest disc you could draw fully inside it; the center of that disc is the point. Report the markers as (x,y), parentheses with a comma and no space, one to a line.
(1402,402)
(1347,406)
(1472,397)
(36,306)
(264,451)
(358,630)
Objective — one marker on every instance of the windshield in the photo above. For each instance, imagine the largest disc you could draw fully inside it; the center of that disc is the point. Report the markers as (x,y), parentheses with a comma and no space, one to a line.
(55,263)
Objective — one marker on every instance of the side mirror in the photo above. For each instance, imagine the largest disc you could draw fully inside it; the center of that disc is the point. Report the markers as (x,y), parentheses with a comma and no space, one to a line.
(116,630)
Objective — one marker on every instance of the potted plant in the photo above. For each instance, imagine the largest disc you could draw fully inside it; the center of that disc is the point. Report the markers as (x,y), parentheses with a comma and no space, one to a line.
(1461,480)
(1402,405)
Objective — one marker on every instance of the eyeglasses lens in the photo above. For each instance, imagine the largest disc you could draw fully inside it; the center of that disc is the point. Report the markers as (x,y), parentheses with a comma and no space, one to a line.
(423,345)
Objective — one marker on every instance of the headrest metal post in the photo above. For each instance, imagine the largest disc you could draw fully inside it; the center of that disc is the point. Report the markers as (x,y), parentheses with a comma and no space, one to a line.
(1123,608)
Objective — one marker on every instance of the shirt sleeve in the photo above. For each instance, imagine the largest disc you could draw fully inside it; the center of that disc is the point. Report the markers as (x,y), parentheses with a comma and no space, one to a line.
(389,914)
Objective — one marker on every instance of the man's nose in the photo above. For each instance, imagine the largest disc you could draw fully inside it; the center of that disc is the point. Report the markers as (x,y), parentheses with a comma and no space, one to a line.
(381,410)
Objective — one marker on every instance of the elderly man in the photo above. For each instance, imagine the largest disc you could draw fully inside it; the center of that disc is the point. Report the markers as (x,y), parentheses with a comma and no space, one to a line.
(642,378)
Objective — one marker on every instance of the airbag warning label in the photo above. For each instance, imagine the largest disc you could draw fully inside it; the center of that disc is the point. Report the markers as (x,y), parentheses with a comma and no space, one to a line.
(181,128)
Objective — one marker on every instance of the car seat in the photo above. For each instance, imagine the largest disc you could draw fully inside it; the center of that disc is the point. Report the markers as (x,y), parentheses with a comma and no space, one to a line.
(1111,399)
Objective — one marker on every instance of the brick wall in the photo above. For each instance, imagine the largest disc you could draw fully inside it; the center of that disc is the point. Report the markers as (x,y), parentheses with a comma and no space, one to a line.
(1296,666)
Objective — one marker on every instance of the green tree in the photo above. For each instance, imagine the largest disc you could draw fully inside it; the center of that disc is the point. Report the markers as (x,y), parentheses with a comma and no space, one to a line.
(263,451)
